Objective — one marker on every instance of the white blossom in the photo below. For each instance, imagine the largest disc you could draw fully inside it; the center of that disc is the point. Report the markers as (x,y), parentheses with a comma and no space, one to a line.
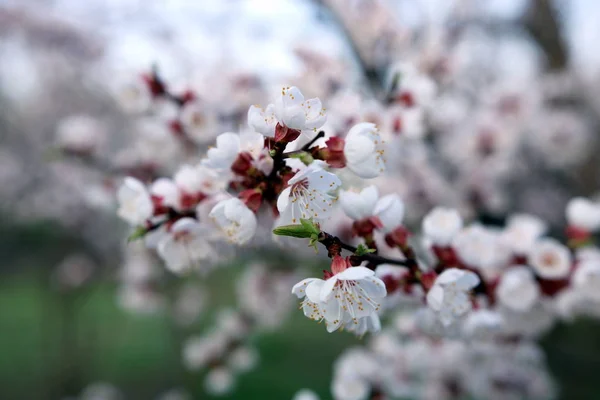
(310,291)
(305,394)
(243,359)
(235,220)
(390,211)
(364,150)
(309,195)
(550,259)
(350,295)
(219,381)
(441,224)
(449,296)
(482,324)
(518,289)
(165,193)
(135,204)
(522,231)
(296,113)
(80,133)
(134,96)
(199,179)
(347,298)
(199,351)
(224,153)
(481,248)
(584,214)
(230,145)
(199,121)
(586,279)
(263,121)
(185,245)
(359,205)
(350,389)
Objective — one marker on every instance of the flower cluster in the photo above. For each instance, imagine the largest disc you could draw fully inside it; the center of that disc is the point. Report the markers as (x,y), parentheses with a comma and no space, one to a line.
(461,281)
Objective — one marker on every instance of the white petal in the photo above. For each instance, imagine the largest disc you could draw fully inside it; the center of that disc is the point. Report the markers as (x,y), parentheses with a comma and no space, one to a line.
(299,288)
(435,297)
(355,273)
(327,289)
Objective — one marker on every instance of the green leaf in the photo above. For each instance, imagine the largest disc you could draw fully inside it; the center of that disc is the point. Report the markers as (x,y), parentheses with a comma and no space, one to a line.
(138,233)
(298,231)
(310,226)
(314,242)
(362,250)
(306,230)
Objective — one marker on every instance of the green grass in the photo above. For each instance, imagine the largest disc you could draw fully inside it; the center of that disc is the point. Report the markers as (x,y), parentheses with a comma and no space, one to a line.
(135,352)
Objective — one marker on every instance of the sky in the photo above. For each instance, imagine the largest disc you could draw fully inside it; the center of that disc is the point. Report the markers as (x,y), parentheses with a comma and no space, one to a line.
(180,35)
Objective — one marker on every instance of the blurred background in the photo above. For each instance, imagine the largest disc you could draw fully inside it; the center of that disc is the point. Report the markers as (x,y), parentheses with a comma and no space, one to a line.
(84,315)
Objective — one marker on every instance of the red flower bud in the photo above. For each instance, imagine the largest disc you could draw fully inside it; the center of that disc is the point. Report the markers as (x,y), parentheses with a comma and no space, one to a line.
(428,279)
(242,163)
(285,135)
(176,127)
(391,283)
(157,88)
(187,96)
(366,226)
(575,233)
(334,154)
(446,255)
(339,264)
(252,198)
(406,99)
(398,237)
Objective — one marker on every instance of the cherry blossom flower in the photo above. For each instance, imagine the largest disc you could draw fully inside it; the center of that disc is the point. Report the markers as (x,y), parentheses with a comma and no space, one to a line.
(134,96)
(363,150)
(482,324)
(235,220)
(230,146)
(243,359)
(305,394)
(550,259)
(583,214)
(199,121)
(225,152)
(449,296)
(309,195)
(441,225)
(390,211)
(263,121)
(350,389)
(80,134)
(195,180)
(518,289)
(135,205)
(482,248)
(184,246)
(165,194)
(350,294)
(296,113)
(522,231)
(310,291)
(359,205)
(586,279)
(219,381)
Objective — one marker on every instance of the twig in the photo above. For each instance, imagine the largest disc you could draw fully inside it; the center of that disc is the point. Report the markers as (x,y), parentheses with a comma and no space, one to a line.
(334,246)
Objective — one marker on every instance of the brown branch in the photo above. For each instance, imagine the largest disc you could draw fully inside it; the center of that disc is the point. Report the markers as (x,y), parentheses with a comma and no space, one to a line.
(541,21)
(334,247)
